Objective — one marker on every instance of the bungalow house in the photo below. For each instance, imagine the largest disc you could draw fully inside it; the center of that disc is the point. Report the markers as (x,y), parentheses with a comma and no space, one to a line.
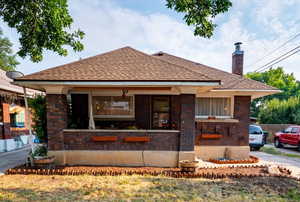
(13,128)
(126,107)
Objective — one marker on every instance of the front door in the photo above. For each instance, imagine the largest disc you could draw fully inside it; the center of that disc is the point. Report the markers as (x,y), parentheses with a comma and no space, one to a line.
(161,112)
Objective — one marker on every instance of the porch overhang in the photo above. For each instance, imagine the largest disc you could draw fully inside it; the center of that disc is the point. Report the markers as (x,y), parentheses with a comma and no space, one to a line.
(254,93)
(39,84)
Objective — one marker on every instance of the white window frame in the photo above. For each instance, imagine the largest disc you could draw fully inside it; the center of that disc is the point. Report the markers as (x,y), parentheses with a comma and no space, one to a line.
(114,116)
(218,117)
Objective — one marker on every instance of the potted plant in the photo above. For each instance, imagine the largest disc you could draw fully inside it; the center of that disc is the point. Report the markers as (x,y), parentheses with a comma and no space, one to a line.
(188,164)
(40,158)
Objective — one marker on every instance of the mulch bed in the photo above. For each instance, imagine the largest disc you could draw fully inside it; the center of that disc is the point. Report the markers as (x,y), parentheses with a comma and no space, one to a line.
(211,173)
(252,159)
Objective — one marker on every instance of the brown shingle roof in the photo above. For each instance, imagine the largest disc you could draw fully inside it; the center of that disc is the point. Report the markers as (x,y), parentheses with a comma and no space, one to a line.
(124,64)
(229,80)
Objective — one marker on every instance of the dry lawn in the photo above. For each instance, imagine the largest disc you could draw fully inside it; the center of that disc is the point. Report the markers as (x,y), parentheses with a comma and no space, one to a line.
(144,188)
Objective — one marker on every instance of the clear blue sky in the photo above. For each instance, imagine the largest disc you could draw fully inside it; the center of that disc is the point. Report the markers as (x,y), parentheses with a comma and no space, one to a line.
(149,26)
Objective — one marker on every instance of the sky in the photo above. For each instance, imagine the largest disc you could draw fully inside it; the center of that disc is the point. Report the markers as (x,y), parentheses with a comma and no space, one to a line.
(149,26)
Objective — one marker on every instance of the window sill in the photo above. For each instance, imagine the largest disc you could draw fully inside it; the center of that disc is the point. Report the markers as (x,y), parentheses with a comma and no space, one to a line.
(218,120)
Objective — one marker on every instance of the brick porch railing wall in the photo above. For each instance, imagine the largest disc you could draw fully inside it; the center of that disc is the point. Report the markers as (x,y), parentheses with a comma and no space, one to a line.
(78,140)
(233,134)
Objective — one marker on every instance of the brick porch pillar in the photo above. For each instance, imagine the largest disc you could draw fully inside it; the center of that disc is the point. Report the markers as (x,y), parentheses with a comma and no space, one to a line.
(242,113)
(187,127)
(57,120)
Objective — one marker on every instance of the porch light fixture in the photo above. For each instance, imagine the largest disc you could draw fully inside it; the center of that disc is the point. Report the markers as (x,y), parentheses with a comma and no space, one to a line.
(124,92)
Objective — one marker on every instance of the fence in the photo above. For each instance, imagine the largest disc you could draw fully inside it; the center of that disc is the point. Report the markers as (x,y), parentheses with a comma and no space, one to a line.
(272,129)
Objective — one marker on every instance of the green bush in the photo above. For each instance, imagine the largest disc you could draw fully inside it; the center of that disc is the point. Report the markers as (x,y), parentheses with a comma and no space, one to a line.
(38,107)
(278,111)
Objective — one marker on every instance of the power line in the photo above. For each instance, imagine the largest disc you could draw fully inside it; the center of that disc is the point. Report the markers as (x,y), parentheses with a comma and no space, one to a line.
(258,69)
(280,60)
(276,49)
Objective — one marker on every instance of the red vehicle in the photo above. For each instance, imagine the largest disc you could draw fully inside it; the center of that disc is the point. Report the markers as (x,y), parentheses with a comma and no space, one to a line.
(289,136)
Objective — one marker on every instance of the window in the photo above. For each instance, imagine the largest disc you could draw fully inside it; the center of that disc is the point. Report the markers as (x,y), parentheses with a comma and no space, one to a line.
(295,130)
(113,106)
(255,130)
(17,116)
(288,130)
(218,107)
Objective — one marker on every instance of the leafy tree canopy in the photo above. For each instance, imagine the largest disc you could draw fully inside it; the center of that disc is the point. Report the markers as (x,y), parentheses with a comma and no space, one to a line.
(277,78)
(42,25)
(278,111)
(8,60)
(200,13)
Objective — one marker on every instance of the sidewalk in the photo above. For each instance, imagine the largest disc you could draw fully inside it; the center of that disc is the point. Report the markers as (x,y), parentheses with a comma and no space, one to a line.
(13,158)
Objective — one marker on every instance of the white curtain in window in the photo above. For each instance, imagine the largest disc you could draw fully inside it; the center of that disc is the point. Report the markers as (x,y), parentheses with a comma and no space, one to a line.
(213,107)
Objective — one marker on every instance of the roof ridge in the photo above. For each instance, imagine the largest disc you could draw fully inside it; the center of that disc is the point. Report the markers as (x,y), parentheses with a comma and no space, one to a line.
(164,61)
(195,63)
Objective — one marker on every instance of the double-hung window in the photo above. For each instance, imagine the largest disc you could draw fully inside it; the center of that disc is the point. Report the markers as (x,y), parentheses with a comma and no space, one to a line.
(113,106)
(219,107)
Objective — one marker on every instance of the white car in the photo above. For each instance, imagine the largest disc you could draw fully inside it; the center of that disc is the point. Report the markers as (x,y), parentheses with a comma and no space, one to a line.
(257,137)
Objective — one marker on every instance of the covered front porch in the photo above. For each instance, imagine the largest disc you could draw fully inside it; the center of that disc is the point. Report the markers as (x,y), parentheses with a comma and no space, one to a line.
(121,126)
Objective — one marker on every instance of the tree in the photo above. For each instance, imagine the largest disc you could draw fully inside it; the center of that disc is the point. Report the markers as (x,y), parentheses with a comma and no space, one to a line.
(278,111)
(42,25)
(8,61)
(200,14)
(276,78)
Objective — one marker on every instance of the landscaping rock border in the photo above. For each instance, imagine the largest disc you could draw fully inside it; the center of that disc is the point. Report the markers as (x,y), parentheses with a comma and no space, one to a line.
(209,172)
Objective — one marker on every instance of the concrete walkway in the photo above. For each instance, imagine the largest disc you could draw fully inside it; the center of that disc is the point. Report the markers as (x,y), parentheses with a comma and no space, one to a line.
(269,159)
(13,158)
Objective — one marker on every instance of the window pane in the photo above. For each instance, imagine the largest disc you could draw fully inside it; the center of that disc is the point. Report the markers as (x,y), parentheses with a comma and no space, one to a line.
(213,107)
(113,105)
(161,104)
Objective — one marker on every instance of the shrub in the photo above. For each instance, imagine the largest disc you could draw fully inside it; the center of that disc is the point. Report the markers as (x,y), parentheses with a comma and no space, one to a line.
(38,106)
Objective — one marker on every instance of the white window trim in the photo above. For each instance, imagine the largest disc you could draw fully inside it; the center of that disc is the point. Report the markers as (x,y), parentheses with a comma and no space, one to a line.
(115,116)
(217,117)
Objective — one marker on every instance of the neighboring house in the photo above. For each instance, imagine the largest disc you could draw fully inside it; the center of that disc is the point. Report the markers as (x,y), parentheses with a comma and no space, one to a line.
(126,107)
(13,129)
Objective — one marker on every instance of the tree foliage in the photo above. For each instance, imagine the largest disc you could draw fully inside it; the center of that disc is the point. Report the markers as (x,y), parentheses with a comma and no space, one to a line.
(278,111)
(8,60)
(276,77)
(42,25)
(200,14)
(38,107)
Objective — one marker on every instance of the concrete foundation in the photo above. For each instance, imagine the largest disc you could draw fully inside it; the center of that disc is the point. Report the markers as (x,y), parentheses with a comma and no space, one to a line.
(121,158)
(214,152)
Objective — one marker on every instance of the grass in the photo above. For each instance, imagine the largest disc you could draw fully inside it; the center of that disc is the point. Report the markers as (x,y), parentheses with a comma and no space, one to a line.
(271,150)
(145,188)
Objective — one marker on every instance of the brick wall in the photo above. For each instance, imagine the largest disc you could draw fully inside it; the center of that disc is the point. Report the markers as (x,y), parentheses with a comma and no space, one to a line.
(187,124)
(233,134)
(163,141)
(57,120)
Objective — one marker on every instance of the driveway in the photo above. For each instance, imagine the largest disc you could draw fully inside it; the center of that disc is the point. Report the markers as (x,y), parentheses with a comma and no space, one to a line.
(291,163)
(13,158)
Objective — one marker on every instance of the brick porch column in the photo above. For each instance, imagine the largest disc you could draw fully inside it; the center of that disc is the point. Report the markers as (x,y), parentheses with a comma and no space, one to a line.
(242,113)
(57,120)
(187,127)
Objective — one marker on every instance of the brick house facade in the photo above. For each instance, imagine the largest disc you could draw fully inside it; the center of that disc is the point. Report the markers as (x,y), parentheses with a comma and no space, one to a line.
(128,108)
